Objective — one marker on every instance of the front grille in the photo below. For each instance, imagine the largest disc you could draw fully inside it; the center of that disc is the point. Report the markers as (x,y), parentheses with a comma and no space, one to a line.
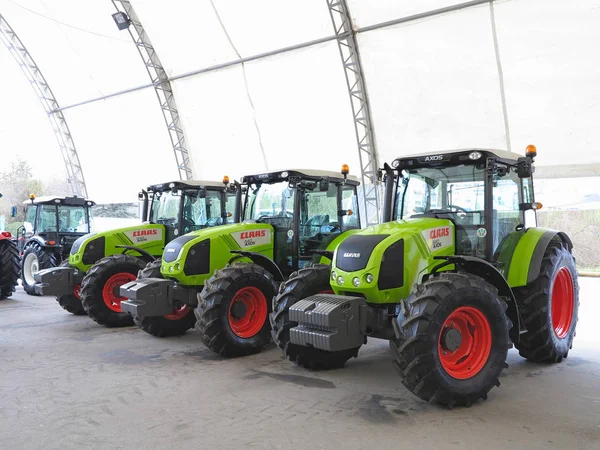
(391,271)
(94,251)
(353,253)
(173,248)
(198,259)
(78,242)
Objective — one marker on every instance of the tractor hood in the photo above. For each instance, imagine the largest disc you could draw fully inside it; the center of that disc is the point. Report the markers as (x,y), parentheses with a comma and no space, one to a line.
(93,246)
(189,259)
(390,255)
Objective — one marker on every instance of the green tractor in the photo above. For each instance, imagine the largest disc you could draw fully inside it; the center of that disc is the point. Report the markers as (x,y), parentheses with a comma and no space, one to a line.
(52,225)
(290,219)
(457,275)
(99,263)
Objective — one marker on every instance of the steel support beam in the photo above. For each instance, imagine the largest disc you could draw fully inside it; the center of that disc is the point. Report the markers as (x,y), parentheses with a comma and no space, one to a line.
(51,106)
(162,86)
(367,153)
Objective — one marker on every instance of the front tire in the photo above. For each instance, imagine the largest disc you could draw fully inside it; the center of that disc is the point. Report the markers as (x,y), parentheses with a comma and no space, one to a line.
(9,268)
(35,258)
(550,308)
(304,283)
(100,289)
(452,339)
(71,302)
(174,324)
(233,308)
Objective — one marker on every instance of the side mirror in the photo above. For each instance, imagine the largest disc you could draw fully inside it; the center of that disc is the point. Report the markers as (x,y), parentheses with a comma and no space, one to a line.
(524,168)
(202,193)
(141,196)
(324,185)
(13,211)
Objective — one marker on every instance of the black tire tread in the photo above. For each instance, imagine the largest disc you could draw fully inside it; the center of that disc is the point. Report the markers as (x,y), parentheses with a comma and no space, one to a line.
(45,258)
(160,326)
(91,291)
(208,314)
(536,345)
(69,302)
(415,365)
(310,279)
(9,268)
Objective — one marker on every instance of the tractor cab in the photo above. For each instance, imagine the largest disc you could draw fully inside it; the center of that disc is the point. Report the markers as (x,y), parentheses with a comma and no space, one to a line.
(486,194)
(55,222)
(306,208)
(190,205)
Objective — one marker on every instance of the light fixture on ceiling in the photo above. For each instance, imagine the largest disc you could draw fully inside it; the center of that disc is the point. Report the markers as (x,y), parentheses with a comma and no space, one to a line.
(122,20)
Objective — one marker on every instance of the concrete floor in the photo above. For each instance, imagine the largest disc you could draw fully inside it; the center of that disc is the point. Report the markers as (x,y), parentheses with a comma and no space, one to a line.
(67,383)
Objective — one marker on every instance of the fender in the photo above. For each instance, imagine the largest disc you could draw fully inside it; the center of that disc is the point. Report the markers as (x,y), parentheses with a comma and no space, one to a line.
(489,273)
(261,260)
(39,240)
(145,256)
(526,259)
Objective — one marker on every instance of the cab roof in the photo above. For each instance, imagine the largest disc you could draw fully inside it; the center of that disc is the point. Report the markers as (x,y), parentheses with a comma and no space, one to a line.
(58,200)
(186,184)
(442,157)
(311,174)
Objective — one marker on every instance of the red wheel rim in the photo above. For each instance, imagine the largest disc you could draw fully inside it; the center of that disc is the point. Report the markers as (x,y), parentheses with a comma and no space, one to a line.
(178,313)
(111,288)
(77,291)
(472,353)
(253,303)
(563,302)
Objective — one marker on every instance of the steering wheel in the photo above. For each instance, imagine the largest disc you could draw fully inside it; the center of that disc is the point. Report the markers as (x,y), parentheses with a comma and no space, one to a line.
(458,208)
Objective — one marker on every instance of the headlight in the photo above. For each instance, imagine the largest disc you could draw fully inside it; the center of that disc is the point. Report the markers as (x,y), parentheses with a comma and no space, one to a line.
(340,280)
(284,175)
(171,269)
(474,155)
(333,275)
(356,282)
(369,278)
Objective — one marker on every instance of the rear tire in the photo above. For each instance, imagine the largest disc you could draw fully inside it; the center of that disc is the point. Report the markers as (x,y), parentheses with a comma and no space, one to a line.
(99,289)
(233,308)
(550,308)
(436,363)
(174,324)
(9,268)
(304,283)
(71,302)
(35,258)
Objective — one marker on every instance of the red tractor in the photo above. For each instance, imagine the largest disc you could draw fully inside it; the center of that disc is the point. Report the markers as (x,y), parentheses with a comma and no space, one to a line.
(9,265)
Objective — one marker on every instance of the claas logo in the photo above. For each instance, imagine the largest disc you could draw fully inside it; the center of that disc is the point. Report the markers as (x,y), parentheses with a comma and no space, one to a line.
(439,232)
(139,233)
(253,234)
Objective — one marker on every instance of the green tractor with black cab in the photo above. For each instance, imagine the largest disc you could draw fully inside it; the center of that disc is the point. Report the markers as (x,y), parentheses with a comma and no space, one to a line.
(458,274)
(99,263)
(230,274)
(52,225)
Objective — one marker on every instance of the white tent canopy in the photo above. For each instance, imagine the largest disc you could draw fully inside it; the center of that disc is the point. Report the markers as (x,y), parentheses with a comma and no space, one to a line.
(502,74)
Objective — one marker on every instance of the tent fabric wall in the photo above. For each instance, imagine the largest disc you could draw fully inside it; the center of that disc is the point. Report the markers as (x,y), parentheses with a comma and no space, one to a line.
(433,83)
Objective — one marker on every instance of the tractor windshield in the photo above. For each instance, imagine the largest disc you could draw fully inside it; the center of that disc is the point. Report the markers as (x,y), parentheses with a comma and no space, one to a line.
(455,189)
(269,200)
(71,219)
(197,212)
(458,193)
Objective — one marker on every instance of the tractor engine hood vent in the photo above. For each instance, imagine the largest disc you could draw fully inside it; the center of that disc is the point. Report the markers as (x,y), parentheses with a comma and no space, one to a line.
(354,252)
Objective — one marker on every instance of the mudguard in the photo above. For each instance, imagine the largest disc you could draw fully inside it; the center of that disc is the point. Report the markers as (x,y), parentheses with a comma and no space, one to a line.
(520,254)
(261,260)
(489,273)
